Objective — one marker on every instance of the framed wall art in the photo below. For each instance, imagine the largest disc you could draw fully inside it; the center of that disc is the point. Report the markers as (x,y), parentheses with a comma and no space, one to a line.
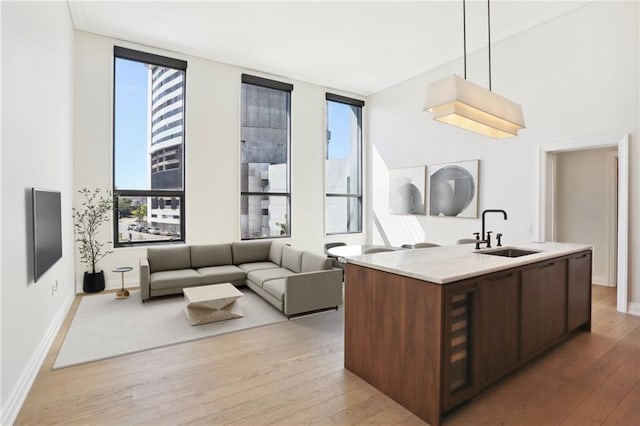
(453,189)
(407,190)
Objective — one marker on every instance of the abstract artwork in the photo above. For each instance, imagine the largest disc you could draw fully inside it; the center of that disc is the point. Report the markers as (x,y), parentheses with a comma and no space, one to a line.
(453,189)
(407,190)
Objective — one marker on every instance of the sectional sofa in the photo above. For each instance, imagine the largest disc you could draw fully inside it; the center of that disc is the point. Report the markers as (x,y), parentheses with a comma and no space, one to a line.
(292,280)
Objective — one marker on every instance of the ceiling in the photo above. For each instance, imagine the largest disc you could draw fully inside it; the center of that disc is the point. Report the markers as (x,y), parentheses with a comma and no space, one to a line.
(359,47)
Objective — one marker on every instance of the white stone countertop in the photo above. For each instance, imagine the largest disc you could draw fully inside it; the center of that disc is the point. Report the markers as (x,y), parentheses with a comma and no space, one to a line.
(442,265)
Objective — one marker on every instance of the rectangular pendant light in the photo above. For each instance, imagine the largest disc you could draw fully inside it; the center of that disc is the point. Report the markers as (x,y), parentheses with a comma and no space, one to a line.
(461,103)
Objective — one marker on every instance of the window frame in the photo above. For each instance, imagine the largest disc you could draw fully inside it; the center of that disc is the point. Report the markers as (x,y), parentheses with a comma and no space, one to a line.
(285,87)
(166,62)
(332,97)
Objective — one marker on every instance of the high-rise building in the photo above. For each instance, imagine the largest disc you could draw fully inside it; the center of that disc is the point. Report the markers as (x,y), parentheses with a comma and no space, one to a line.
(264,155)
(165,144)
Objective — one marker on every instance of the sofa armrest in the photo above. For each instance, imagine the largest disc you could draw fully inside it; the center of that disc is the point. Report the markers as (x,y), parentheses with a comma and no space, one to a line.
(144,278)
(310,291)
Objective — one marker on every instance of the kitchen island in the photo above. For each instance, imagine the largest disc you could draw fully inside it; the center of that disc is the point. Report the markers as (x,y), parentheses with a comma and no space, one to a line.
(432,327)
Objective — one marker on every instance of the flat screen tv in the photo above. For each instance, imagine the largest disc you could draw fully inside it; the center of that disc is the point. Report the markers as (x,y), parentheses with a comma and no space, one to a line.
(47,230)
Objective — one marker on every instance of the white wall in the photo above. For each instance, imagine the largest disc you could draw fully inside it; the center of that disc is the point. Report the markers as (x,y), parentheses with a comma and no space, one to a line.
(583,182)
(576,77)
(37,151)
(2,409)
(212,149)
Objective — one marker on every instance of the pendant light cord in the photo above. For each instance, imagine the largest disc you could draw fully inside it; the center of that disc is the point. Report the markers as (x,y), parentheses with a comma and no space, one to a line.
(489,36)
(464,36)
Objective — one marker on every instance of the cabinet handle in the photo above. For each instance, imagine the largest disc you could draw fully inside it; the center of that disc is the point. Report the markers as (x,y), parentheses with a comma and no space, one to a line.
(548,265)
(583,255)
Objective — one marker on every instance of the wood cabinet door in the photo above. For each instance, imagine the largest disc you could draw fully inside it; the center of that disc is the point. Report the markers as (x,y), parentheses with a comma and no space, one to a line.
(499,327)
(543,298)
(579,291)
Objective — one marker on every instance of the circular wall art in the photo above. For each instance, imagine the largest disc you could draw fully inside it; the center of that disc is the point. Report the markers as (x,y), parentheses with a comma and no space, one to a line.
(453,189)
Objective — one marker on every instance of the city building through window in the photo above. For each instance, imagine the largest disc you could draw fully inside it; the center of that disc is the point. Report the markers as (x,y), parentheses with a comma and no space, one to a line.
(148,148)
(343,165)
(264,158)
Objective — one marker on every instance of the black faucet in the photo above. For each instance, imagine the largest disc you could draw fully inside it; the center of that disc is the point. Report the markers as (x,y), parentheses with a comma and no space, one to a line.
(486,237)
(478,240)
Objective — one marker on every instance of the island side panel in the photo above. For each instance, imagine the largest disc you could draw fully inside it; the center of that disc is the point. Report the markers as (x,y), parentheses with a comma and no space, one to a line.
(579,292)
(393,335)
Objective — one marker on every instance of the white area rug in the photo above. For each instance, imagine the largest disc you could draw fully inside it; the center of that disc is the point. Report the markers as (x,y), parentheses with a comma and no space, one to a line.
(104,327)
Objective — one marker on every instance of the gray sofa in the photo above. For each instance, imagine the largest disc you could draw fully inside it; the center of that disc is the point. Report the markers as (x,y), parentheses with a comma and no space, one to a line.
(292,280)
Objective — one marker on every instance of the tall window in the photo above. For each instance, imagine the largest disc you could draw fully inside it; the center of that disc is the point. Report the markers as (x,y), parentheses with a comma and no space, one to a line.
(264,158)
(148,148)
(343,165)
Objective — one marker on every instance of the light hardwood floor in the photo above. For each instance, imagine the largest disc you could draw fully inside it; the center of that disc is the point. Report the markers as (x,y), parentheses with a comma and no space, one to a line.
(292,373)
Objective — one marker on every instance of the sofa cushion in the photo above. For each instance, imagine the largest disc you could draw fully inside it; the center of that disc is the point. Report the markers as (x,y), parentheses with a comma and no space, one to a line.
(314,262)
(259,277)
(174,279)
(169,258)
(250,251)
(292,259)
(256,266)
(221,274)
(211,255)
(275,252)
(275,288)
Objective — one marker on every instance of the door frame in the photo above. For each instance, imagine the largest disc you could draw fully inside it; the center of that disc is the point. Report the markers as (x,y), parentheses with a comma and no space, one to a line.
(612,173)
(544,188)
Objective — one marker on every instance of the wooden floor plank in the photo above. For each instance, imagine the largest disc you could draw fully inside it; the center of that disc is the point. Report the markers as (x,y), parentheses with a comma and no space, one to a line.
(229,397)
(601,403)
(628,411)
(391,414)
(292,373)
(269,409)
(371,406)
(322,412)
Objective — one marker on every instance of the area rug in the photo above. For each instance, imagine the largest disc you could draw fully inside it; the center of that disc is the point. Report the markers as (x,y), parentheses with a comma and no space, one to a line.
(104,327)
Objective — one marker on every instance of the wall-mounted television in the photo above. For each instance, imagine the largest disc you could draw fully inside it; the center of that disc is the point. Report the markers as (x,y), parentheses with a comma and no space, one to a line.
(47,230)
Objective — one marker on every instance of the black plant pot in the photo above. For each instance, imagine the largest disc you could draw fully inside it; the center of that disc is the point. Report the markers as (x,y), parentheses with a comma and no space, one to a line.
(93,283)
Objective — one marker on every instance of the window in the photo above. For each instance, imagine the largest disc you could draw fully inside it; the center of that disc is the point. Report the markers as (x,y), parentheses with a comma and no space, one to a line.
(148,148)
(264,158)
(343,165)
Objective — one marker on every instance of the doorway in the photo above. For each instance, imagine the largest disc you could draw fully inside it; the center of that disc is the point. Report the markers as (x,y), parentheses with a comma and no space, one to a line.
(583,205)
(545,208)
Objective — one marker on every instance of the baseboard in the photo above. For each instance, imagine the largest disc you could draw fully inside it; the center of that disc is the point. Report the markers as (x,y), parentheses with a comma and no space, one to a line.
(603,281)
(20,392)
(634,309)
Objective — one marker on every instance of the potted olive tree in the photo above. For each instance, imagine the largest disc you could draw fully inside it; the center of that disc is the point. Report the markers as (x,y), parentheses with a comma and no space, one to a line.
(94,211)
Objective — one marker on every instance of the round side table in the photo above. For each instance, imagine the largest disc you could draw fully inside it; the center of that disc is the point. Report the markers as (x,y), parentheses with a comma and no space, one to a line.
(122,293)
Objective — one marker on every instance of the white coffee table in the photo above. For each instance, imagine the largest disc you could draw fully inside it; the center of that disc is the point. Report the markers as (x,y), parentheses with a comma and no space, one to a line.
(211,303)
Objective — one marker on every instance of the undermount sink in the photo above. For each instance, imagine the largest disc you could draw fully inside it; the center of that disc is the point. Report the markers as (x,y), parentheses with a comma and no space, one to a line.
(510,252)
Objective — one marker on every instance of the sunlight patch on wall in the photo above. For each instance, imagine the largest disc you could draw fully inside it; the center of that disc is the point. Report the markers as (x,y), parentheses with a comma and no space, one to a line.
(391,229)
